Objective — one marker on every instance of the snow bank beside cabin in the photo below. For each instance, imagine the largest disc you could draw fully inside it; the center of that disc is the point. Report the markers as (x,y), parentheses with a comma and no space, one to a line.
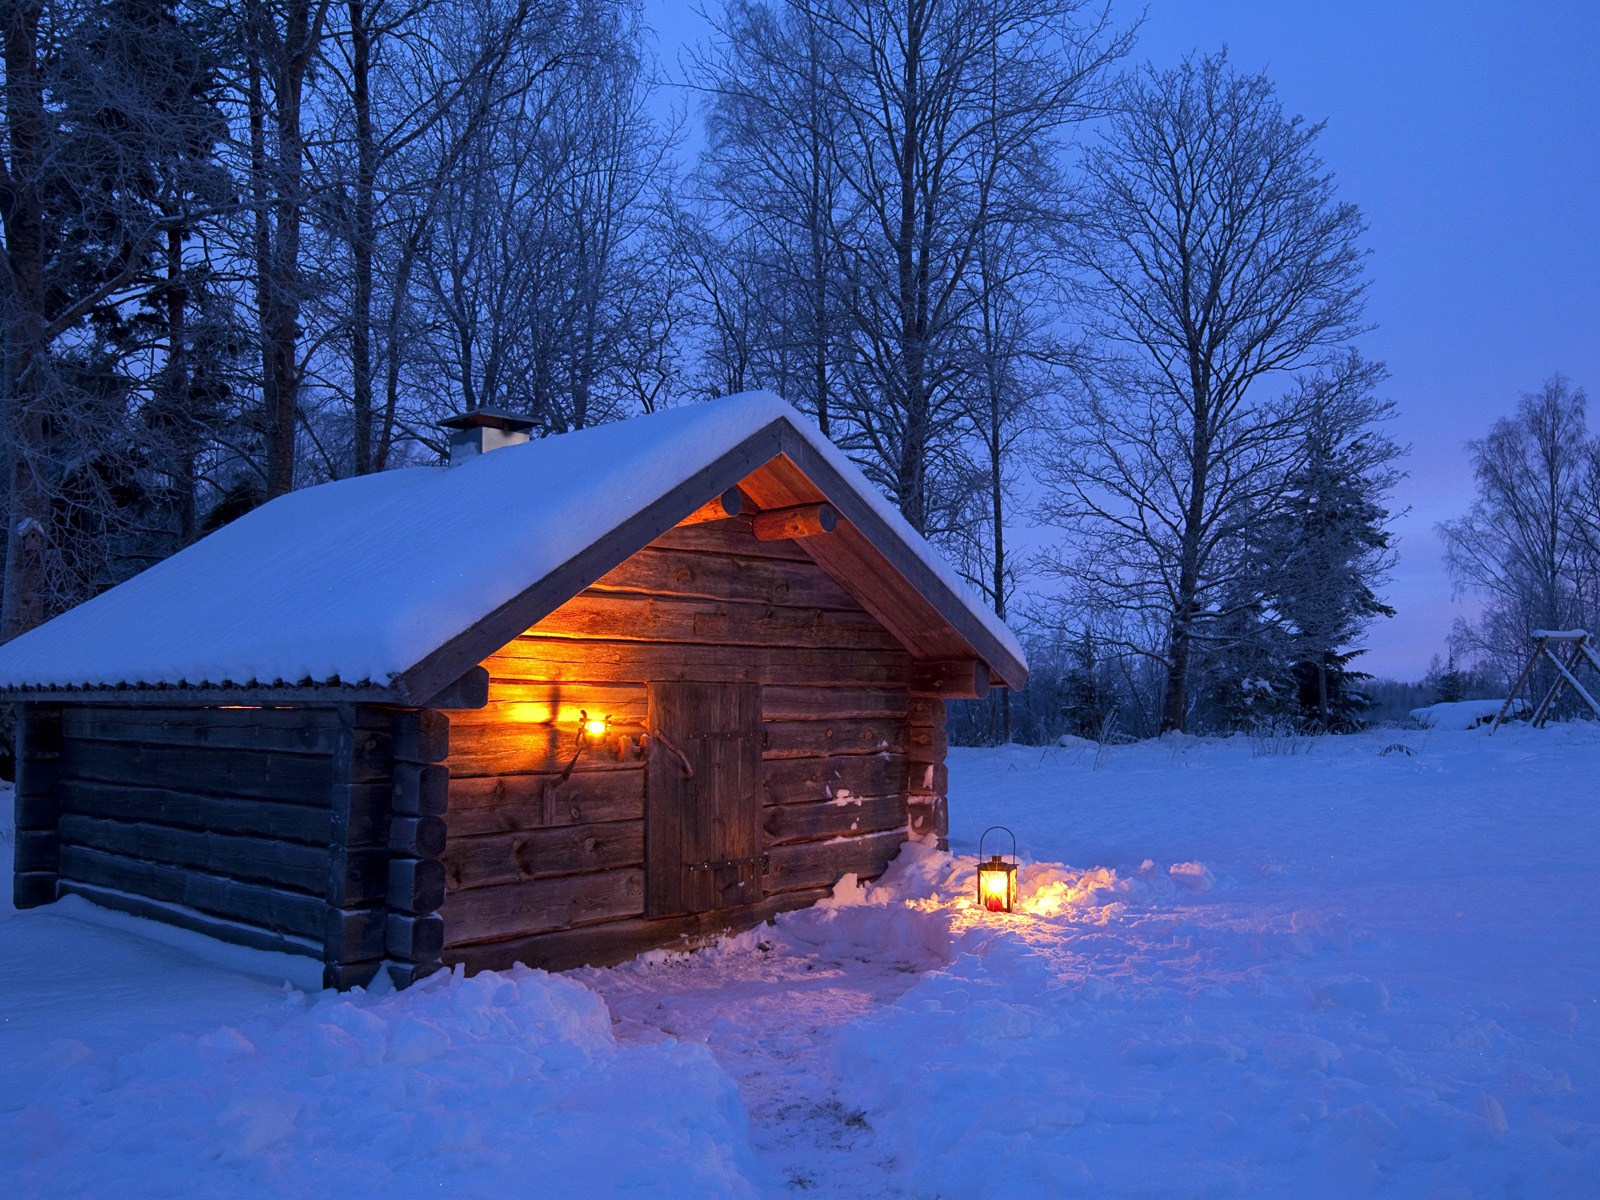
(504,1084)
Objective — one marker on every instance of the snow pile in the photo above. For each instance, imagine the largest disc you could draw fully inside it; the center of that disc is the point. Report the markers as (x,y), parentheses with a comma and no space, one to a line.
(460,1086)
(1461,714)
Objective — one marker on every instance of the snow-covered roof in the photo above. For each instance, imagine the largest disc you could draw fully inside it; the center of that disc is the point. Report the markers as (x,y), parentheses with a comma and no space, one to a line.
(359,581)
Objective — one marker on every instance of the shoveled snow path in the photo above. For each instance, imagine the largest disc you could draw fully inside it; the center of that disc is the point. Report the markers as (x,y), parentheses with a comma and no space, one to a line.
(770,1013)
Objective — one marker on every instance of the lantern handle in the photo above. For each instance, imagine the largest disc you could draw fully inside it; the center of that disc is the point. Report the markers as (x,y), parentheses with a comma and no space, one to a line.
(982,836)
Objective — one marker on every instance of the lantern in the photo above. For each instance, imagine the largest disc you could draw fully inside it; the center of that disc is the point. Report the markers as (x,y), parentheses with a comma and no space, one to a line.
(590,728)
(997,878)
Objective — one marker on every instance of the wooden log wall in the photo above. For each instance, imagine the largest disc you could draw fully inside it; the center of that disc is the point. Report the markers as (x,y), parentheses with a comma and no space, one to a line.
(264,826)
(928,779)
(545,865)
(38,805)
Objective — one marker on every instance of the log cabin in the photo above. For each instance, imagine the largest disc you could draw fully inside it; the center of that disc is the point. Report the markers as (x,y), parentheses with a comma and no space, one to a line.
(560,701)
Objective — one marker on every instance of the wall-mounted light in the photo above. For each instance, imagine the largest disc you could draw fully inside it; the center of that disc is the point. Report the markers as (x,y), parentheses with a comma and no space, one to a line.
(590,731)
(997,878)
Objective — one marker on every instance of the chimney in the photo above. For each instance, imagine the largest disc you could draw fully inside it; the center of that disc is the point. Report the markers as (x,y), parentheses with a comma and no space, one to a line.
(482,430)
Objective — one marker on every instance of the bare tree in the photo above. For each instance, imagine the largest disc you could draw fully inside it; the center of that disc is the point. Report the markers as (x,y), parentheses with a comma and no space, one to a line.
(1522,545)
(542,279)
(771,177)
(281,40)
(1216,258)
(940,102)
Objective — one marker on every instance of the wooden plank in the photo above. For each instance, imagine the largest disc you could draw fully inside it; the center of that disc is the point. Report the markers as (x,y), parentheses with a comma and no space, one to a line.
(357,875)
(799,780)
(492,859)
(509,803)
(719,508)
(187,918)
(281,864)
(31,889)
(351,936)
(927,710)
(962,679)
(414,939)
(928,743)
(927,778)
(833,818)
(612,942)
(38,776)
(832,703)
(799,521)
(420,791)
(37,851)
(541,905)
(808,739)
(165,806)
(929,816)
(616,616)
(416,885)
(31,810)
(533,702)
(278,911)
(730,537)
(314,731)
(755,579)
(468,692)
(821,864)
(417,837)
(421,736)
(562,661)
(521,747)
(269,775)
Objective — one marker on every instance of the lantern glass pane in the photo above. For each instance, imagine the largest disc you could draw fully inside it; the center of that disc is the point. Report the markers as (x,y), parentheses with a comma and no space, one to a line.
(995,891)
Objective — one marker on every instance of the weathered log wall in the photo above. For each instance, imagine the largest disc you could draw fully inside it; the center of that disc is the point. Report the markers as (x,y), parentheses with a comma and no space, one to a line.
(270,827)
(550,870)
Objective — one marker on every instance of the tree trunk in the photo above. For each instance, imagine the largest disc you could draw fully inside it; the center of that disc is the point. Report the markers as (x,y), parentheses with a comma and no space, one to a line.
(361,242)
(913,346)
(176,385)
(28,516)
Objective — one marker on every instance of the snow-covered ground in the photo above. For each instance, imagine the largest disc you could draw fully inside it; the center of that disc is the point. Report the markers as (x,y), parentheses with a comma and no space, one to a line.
(1350,966)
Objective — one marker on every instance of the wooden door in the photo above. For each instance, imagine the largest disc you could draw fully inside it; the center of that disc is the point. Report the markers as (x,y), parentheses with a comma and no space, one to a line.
(703,798)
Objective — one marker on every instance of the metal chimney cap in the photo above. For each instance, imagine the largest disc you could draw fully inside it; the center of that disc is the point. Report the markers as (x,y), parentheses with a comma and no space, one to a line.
(490,418)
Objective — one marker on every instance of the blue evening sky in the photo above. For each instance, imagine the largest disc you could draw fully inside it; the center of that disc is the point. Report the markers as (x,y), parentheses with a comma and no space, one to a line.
(1467,133)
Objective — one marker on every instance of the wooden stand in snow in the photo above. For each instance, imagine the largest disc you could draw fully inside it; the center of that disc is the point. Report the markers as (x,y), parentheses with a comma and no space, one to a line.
(1543,642)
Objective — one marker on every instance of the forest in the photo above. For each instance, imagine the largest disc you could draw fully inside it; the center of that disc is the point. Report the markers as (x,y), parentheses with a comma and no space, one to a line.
(1091,324)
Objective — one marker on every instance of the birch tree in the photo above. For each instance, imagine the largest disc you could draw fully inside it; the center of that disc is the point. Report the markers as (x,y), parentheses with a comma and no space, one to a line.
(1521,547)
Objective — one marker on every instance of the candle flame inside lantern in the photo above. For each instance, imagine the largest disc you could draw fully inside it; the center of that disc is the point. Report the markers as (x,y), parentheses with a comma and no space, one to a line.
(594,727)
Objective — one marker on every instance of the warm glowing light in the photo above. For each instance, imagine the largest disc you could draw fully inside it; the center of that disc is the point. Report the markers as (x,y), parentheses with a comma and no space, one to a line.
(594,727)
(997,885)
(997,878)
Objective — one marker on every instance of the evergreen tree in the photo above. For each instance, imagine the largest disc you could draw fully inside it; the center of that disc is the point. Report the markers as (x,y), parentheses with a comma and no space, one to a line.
(1086,699)
(1327,547)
